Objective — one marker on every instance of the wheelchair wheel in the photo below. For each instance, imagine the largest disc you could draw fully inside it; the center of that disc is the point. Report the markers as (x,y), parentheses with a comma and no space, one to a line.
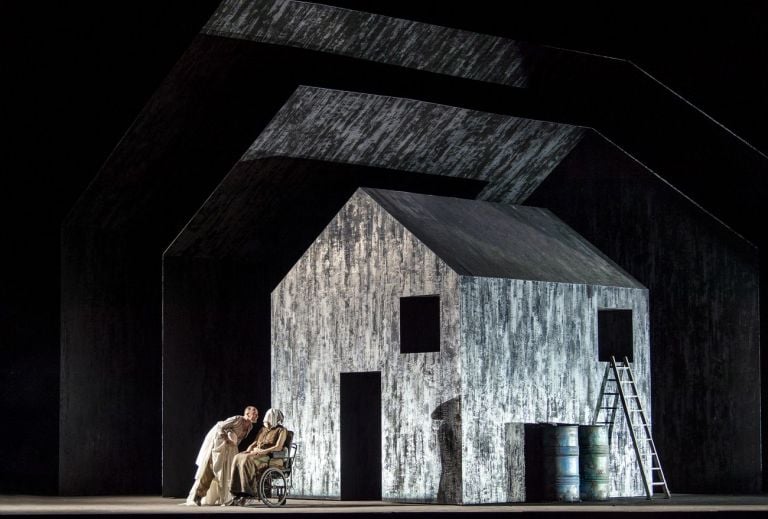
(273,487)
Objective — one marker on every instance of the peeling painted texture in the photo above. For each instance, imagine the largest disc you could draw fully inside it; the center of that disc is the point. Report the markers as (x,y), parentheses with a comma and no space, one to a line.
(512,351)
(512,154)
(327,319)
(213,105)
(372,37)
(529,355)
(704,284)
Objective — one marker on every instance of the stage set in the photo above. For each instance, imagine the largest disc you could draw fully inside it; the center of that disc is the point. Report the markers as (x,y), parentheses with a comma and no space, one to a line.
(424,245)
(683,505)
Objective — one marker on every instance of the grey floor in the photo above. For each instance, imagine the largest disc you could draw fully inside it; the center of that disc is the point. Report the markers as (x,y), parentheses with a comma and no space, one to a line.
(141,505)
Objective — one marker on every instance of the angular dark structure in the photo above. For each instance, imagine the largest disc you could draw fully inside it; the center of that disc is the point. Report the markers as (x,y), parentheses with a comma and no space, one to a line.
(703,279)
(271,119)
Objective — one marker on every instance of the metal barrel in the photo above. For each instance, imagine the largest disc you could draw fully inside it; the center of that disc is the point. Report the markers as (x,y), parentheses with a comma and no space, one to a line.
(593,462)
(561,462)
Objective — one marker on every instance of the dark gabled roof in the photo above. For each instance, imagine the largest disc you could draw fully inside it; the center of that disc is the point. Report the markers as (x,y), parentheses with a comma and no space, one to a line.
(477,238)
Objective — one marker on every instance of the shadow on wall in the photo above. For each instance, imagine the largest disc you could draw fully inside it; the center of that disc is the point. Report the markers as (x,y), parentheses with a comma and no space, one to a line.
(449,443)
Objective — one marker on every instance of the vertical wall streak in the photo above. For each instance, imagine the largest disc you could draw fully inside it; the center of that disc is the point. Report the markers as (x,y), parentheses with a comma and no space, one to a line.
(512,352)
(704,287)
(337,311)
(529,355)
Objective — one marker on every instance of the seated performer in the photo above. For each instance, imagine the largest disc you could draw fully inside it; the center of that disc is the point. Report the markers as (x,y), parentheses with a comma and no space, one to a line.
(249,465)
(214,461)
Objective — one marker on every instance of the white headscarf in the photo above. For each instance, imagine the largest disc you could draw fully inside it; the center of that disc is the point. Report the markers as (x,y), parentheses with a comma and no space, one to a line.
(273,418)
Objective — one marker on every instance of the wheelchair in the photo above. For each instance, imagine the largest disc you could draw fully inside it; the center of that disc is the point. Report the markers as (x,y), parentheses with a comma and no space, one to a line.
(274,485)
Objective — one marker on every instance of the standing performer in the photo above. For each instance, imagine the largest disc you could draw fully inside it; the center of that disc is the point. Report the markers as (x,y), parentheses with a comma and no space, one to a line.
(214,461)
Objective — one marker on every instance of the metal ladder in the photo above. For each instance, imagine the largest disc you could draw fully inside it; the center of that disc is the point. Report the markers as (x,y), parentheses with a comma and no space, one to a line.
(639,427)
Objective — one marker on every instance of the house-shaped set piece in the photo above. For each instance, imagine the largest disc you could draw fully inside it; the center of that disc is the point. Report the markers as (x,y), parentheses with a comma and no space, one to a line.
(418,335)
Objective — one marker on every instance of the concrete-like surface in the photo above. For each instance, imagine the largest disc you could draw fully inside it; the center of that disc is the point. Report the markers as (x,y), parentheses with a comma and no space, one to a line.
(155,505)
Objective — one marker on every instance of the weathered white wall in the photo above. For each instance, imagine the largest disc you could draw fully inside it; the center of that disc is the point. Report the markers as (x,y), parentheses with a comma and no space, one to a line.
(338,311)
(512,352)
(529,355)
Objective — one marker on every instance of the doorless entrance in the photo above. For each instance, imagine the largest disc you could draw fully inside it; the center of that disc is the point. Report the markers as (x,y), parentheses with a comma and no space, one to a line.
(360,436)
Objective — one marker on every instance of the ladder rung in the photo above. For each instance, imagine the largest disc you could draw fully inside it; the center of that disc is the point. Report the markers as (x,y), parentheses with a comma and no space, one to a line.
(640,432)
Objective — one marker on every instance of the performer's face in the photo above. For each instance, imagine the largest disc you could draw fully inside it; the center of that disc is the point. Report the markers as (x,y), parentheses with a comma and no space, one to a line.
(252,414)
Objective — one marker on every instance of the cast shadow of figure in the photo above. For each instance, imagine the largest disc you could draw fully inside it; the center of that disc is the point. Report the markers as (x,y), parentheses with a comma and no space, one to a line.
(449,443)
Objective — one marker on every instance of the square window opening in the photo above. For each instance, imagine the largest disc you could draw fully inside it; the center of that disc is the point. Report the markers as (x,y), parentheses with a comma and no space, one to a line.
(420,324)
(614,335)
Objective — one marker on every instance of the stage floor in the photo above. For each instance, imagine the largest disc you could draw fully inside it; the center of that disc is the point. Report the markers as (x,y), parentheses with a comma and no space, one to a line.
(687,504)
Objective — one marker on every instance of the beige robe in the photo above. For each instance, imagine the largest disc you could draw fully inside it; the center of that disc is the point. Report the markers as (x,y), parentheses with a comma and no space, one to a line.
(247,469)
(214,461)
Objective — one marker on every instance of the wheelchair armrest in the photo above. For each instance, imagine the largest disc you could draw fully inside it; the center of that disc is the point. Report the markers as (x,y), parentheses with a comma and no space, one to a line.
(279,454)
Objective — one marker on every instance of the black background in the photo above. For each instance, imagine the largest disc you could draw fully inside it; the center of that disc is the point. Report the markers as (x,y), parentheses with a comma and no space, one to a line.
(74,75)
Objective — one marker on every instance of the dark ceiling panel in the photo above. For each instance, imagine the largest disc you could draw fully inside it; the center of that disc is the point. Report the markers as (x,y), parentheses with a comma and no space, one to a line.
(372,37)
(512,154)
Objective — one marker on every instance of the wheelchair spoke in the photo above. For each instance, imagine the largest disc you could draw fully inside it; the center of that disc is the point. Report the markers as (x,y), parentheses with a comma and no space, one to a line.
(273,487)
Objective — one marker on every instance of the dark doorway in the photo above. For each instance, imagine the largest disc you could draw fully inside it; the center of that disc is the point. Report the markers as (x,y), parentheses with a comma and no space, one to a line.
(614,335)
(360,436)
(534,462)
